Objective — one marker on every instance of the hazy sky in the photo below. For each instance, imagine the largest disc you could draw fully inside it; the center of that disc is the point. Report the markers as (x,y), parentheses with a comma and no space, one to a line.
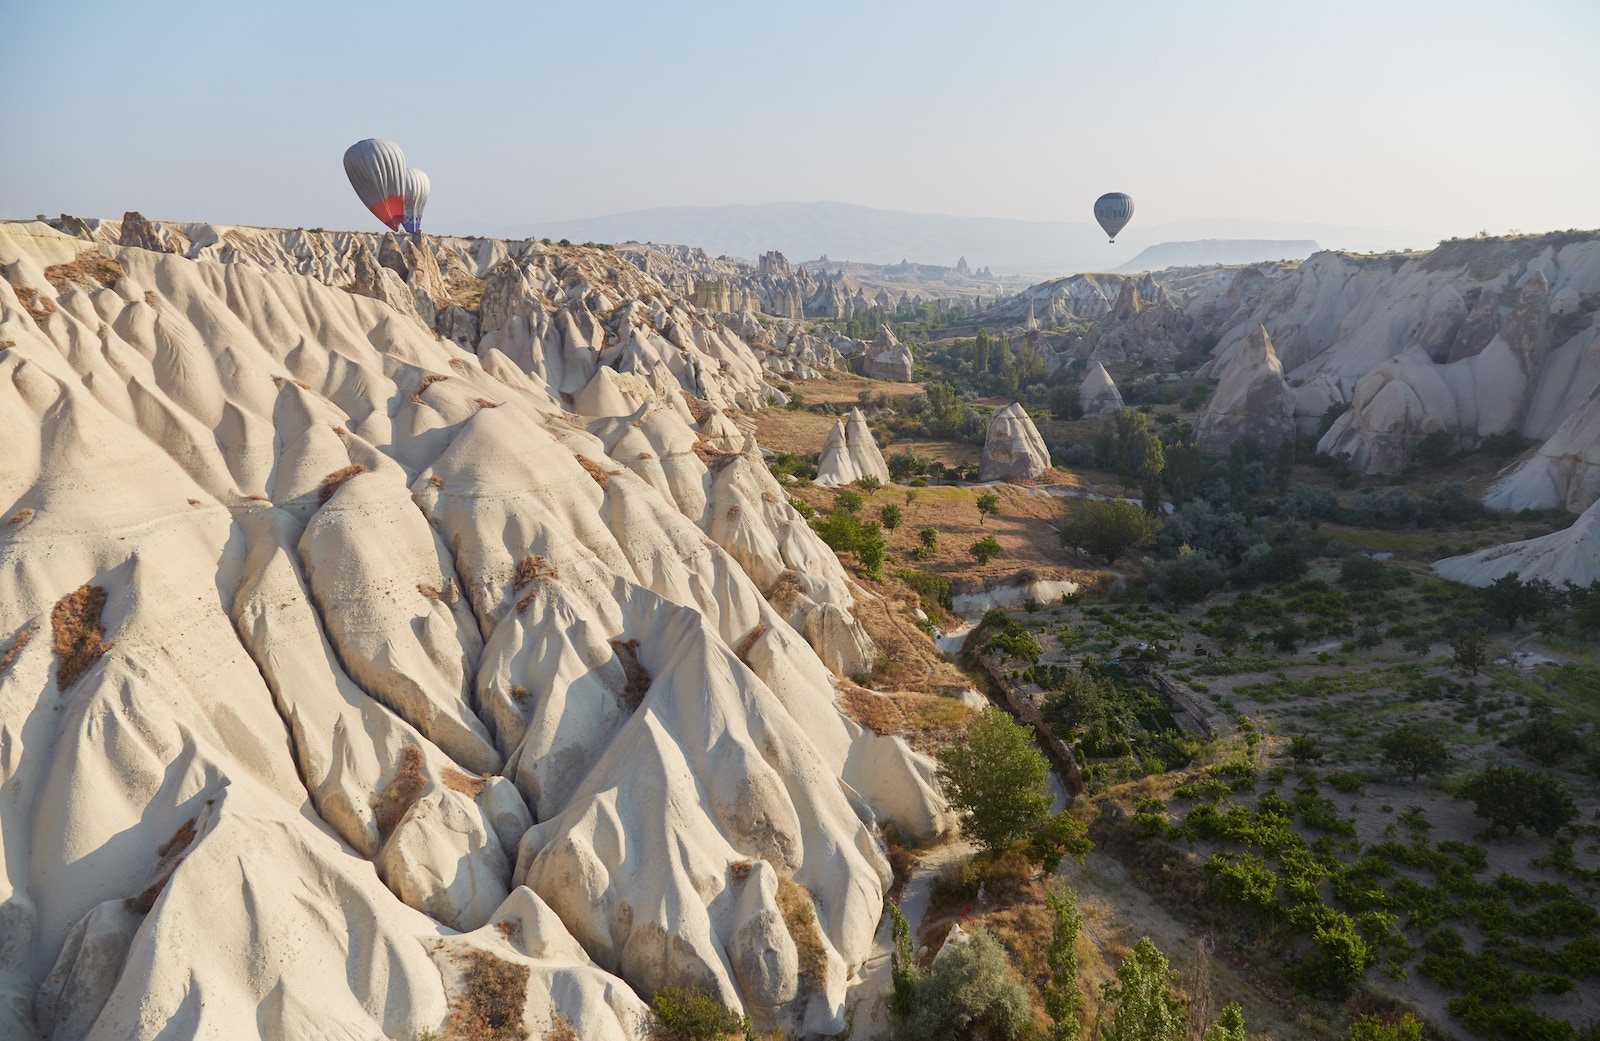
(1439,117)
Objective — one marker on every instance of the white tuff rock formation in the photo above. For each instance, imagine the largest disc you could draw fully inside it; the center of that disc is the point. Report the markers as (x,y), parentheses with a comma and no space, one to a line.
(1251,400)
(850,453)
(1572,555)
(338,660)
(1564,472)
(887,358)
(1012,447)
(1098,394)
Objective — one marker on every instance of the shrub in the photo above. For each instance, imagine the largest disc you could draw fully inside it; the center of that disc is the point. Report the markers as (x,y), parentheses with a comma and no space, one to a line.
(690,1014)
(1509,797)
(890,516)
(986,549)
(78,638)
(1063,1002)
(988,506)
(490,1006)
(1140,1006)
(1110,528)
(847,502)
(869,483)
(968,990)
(1414,749)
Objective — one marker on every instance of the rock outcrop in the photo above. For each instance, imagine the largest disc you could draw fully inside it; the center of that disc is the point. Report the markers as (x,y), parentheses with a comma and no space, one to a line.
(1572,555)
(1564,472)
(1097,394)
(886,358)
(382,655)
(850,453)
(1012,447)
(1251,400)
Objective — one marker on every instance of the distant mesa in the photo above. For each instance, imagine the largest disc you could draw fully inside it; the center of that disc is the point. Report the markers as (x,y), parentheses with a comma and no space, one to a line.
(1165,255)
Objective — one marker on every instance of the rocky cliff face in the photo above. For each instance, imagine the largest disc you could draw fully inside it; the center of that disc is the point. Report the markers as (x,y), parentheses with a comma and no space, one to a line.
(1251,400)
(886,358)
(1012,447)
(850,453)
(1572,555)
(341,663)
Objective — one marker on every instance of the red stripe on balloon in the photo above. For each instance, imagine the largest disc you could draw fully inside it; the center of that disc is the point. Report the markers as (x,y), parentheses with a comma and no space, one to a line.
(390,210)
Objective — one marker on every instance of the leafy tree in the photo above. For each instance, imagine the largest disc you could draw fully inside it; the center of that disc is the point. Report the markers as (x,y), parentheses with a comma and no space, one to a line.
(1509,797)
(1109,528)
(1081,701)
(1414,749)
(1141,1007)
(988,506)
(1548,739)
(1375,1028)
(869,483)
(1288,636)
(1341,957)
(1435,449)
(995,781)
(968,991)
(1183,470)
(1061,835)
(986,549)
(1229,1025)
(869,550)
(929,537)
(1283,465)
(890,515)
(1063,1002)
(1130,440)
(1472,648)
(1154,462)
(847,502)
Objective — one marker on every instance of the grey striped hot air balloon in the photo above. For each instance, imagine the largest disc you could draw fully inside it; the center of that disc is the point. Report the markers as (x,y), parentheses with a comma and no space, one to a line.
(416,196)
(1113,210)
(377,171)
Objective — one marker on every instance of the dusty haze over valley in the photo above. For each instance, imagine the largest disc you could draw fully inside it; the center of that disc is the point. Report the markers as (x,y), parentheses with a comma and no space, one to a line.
(704,523)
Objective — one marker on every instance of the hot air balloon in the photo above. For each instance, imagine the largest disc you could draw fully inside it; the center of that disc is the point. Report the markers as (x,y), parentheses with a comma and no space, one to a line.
(377,171)
(1113,210)
(416,196)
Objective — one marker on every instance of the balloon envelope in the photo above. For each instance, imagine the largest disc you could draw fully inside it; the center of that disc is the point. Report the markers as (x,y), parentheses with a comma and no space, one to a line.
(416,198)
(1113,210)
(377,170)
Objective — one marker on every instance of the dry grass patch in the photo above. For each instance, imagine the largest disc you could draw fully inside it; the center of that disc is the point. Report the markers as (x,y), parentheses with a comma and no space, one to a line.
(171,854)
(714,458)
(431,592)
(486,403)
(21,517)
(784,591)
(638,677)
(38,307)
(532,571)
(799,912)
(23,639)
(466,784)
(402,791)
(490,1005)
(79,638)
(91,269)
(600,474)
(336,480)
(510,929)
(427,381)
(697,408)
(742,652)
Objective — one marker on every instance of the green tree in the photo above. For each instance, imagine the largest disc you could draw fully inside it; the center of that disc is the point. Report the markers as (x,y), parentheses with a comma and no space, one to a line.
(1183,471)
(995,781)
(1509,797)
(968,991)
(1414,749)
(1141,1007)
(1154,462)
(1080,701)
(1131,436)
(929,537)
(1229,1025)
(869,550)
(1472,648)
(848,502)
(890,515)
(986,549)
(1283,465)
(988,506)
(902,964)
(1063,1001)
(1375,1028)
(1110,528)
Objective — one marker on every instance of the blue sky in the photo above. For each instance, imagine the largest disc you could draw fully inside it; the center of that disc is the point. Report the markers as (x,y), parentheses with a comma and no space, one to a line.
(1441,117)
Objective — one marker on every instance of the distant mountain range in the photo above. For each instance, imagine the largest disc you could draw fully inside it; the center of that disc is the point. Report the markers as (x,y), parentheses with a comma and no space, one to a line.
(1219,251)
(842,231)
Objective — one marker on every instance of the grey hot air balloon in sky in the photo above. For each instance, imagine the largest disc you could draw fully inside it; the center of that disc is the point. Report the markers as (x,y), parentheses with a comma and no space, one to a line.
(1113,210)
(377,171)
(416,197)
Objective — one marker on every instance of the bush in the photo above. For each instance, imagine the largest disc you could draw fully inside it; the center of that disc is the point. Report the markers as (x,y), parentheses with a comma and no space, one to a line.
(1139,1004)
(1414,749)
(691,1014)
(890,516)
(968,990)
(1435,449)
(986,549)
(1549,739)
